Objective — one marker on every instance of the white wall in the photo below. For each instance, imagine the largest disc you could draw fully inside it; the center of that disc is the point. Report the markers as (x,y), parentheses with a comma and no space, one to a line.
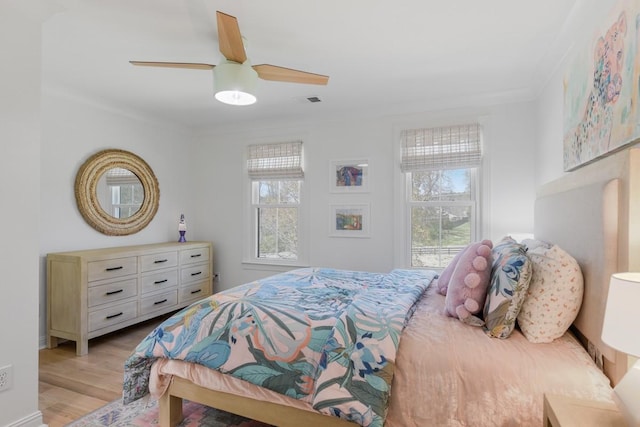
(508,175)
(72,131)
(20,45)
(511,140)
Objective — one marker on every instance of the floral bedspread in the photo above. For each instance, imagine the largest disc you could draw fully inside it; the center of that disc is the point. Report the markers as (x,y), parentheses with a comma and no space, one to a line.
(328,337)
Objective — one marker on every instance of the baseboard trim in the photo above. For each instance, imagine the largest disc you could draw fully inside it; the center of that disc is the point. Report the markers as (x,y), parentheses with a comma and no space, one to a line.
(43,342)
(33,420)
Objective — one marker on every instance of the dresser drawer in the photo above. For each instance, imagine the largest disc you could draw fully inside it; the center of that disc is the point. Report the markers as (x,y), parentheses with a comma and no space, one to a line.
(158,302)
(195,273)
(191,256)
(194,292)
(110,292)
(158,281)
(158,261)
(109,268)
(113,315)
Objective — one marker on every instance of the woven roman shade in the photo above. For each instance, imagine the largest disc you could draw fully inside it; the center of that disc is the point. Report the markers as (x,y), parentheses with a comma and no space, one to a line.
(450,147)
(120,176)
(275,161)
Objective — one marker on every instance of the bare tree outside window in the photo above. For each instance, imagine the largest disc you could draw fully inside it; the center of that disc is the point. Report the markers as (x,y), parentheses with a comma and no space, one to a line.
(441,208)
(277,207)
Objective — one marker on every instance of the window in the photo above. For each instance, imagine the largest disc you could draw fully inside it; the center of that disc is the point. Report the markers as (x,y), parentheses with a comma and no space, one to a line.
(125,193)
(126,199)
(441,167)
(276,204)
(276,177)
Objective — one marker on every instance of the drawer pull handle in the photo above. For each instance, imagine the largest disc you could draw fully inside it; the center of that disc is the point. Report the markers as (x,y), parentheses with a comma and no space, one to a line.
(160,261)
(114,268)
(157,282)
(115,315)
(115,292)
(196,255)
(195,292)
(195,274)
(160,302)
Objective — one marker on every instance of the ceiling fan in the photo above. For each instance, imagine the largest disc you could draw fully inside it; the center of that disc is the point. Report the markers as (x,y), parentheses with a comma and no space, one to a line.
(235,78)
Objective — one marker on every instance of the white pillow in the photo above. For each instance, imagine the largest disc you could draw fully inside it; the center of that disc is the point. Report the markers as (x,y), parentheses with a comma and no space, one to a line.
(554,296)
(532,244)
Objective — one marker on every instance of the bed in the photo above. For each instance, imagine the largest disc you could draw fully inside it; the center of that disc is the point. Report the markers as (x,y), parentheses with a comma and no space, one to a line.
(445,372)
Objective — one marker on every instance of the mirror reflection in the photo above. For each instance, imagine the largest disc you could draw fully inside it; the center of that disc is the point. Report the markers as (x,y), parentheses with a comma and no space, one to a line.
(120,192)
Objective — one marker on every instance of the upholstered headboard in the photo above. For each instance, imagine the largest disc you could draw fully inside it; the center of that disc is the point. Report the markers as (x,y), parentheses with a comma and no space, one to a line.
(592,213)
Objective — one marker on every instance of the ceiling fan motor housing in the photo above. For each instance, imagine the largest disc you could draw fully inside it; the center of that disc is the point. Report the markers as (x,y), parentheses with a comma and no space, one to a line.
(235,83)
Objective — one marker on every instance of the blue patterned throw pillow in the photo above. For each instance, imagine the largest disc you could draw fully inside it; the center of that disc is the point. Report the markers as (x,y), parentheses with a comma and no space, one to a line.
(510,277)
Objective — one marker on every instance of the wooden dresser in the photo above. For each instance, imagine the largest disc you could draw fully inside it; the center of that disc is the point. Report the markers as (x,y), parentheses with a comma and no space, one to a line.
(97,291)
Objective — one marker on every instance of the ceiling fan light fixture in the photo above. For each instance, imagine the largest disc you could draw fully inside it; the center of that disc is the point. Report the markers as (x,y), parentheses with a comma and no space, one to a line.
(235,83)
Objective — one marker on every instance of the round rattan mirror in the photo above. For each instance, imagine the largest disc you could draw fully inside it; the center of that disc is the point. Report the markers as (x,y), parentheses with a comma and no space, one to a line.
(131,179)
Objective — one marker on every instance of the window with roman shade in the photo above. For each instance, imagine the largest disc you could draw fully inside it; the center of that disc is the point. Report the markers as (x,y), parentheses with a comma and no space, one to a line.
(276,186)
(441,165)
(123,193)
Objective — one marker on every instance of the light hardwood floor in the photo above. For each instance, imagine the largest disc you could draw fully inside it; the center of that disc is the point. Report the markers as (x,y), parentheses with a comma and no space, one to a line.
(71,386)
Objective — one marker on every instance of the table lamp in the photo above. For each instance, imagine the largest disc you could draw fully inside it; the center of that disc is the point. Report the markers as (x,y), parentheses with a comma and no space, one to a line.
(620,331)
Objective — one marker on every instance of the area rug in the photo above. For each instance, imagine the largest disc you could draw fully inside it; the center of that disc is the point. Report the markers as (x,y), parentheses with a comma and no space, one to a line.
(144,413)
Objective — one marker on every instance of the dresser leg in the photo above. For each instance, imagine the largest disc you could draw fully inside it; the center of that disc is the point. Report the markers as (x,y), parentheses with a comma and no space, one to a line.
(82,347)
(52,342)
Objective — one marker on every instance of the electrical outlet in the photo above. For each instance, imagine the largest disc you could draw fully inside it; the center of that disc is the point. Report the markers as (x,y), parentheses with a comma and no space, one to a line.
(6,377)
(216,277)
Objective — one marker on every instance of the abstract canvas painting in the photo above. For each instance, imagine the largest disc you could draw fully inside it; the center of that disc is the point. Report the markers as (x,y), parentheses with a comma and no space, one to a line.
(601,88)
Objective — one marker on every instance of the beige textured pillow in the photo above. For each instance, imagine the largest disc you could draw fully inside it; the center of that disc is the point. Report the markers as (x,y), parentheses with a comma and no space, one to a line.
(554,296)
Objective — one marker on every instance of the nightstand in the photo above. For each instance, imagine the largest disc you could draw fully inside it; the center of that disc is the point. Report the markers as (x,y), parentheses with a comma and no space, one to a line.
(562,411)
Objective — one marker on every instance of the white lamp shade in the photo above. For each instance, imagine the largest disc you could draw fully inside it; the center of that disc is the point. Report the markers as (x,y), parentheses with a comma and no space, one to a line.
(235,83)
(620,328)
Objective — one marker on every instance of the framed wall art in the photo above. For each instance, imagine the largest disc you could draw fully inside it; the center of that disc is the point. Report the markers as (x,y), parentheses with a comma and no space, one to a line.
(350,220)
(601,111)
(350,176)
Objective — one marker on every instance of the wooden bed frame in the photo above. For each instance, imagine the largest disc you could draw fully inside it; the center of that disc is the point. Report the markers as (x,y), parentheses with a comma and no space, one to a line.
(591,213)
(267,412)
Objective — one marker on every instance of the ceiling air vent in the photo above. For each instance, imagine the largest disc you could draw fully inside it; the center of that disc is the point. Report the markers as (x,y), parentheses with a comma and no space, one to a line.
(306,99)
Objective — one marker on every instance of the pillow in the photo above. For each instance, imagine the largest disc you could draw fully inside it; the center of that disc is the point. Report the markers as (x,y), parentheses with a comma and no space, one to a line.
(554,296)
(510,277)
(445,276)
(468,285)
(532,244)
